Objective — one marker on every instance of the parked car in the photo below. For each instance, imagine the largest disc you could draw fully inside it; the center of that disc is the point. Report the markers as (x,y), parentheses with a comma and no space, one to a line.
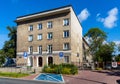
(9,62)
(108,66)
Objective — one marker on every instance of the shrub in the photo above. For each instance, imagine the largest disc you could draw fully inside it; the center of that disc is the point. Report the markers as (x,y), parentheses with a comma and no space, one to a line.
(98,68)
(74,70)
(61,69)
(66,71)
(44,68)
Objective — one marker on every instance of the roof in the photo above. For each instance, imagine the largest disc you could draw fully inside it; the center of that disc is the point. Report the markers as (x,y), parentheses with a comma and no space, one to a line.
(85,41)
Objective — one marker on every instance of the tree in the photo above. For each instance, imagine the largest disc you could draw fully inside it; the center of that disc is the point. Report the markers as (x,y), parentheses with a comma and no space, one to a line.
(104,54)
(117,58)
(96,37)
(2,57)
(118,47)
(10,46)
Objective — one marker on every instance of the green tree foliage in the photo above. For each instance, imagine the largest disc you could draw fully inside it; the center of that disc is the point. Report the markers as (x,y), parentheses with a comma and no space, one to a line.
(104,54)
(2,57)
(96,38)
(117,58)
(119,47)
(10,46)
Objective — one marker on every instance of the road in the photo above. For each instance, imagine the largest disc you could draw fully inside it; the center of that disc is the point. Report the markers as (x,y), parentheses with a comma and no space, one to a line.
(19,81)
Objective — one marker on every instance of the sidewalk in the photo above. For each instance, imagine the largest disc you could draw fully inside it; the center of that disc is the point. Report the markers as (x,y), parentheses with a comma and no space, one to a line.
(90,77)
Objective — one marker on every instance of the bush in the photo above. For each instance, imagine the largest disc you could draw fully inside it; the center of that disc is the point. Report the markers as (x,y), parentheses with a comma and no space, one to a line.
(61,69)
(44,68)
(98,68)
(66,71)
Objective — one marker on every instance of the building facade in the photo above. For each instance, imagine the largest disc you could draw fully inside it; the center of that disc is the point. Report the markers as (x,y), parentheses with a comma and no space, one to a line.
(49,37)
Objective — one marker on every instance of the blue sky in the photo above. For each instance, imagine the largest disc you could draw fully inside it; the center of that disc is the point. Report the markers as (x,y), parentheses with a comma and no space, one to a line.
(104,14)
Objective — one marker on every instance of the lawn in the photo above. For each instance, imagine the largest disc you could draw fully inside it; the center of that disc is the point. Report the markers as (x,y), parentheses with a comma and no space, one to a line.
(14,75)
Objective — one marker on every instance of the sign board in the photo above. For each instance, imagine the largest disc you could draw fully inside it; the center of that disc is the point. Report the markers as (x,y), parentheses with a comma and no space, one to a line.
(61,54)
(114,64)
(25,55)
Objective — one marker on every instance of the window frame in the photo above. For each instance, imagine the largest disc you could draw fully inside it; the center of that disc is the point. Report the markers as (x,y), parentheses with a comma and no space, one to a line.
(66,33)
(30,28)
(66,59)
(40,27)
(49,24)
(31,49)
(50,49)
(66,22)
(40,49)
(49,35)
(30,38)
(66,48)
(38,37)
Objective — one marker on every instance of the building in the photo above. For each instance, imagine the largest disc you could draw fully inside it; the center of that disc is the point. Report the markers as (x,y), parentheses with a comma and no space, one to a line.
(87,57)
(49,37)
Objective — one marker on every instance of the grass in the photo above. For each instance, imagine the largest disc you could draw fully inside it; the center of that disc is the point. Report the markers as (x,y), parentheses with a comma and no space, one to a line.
(14,75)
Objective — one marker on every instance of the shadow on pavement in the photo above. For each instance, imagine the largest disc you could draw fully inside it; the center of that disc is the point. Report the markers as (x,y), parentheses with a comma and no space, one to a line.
(118,81)
(111,73)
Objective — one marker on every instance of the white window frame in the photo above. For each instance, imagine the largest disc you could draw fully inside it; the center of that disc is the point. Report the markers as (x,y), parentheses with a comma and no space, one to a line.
(40,49)
(30,28)
(49,49)
(30,38)
(31,49)
(66,33)
(39,37)
(66,46)
(39,26)
(49,24)
(66,22)
(49,35)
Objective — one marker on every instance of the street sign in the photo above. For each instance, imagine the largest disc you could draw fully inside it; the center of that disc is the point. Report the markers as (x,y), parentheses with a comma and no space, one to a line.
(61,54)
(114,64)
(25,55)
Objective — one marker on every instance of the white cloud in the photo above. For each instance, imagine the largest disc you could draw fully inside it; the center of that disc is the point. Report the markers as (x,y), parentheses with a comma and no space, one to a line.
(83,15)
(98,15)
(111,19)
(117,42)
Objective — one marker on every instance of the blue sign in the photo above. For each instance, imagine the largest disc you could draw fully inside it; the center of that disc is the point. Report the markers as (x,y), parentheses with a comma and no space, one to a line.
(61,54)
(25,54)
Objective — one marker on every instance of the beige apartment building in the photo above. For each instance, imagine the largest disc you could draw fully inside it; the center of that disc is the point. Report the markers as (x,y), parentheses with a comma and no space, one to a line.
(49,37)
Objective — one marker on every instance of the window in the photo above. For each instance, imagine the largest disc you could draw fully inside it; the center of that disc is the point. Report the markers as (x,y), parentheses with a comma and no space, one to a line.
(66,46)
(49,24)
(40,49)
(40,26)
(49,48)
(66,58)
(30,38)
(66,22)
(39,37)
(31,28)
(50,35)
(66,34)
(31,49)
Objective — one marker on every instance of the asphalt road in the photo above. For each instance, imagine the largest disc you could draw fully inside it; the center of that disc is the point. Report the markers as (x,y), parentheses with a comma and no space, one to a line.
(19,81)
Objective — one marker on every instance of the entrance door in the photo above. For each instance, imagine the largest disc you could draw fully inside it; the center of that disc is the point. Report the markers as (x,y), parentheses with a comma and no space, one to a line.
(50,60)
(40,61)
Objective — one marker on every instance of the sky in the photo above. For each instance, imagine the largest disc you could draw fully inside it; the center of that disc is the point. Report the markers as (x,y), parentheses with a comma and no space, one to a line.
(103,14)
